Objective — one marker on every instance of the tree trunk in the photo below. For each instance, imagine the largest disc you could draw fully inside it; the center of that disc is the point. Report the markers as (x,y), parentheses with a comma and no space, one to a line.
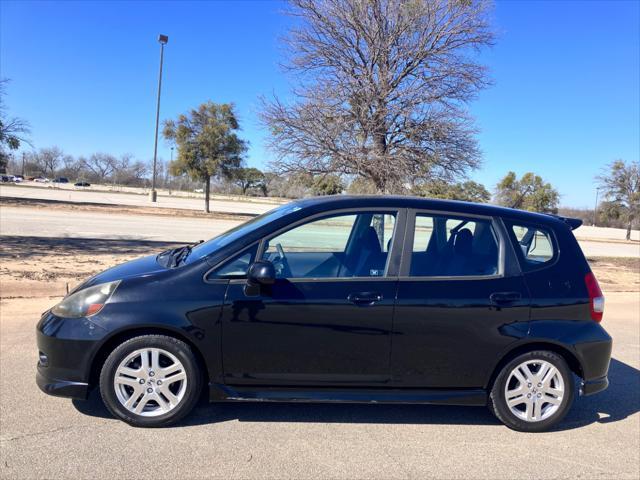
(629,230)
(207,189)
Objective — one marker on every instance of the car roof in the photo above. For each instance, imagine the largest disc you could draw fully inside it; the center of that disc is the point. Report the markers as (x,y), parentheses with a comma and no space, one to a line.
(334,202)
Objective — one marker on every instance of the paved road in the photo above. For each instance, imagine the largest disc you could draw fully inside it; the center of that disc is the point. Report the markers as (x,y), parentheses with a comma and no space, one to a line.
(42,436)
(60,223)
(138,197)
(601,233)
(68,194)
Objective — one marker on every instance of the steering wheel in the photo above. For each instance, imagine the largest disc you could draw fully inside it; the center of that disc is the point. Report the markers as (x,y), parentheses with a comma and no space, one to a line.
(284,270)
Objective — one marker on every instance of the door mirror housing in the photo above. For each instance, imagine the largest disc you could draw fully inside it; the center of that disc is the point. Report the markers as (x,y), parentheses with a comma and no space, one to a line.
(261,273)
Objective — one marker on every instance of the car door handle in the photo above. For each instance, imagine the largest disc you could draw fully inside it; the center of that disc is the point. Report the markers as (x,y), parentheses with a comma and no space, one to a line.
(504,298)
(364,298)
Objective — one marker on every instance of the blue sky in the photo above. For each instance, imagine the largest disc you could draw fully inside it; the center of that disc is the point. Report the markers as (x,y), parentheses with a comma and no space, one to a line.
(565,99)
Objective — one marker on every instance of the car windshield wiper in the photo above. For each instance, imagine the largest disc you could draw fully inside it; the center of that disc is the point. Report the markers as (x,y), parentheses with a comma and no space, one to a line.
(180,254)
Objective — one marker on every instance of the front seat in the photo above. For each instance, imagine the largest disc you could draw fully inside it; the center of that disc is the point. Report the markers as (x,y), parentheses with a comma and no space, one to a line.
(371,258)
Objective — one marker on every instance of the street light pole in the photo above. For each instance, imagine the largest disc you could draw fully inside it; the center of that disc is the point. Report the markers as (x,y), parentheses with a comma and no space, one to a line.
(153,196)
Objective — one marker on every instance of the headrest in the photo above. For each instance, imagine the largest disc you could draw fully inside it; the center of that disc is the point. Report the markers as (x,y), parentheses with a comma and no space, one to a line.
(463,242)
(370,240)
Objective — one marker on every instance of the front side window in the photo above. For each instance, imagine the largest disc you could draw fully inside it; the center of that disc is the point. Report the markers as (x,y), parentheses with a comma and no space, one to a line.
(339,246)
(453,247)
(237,266)
(534,243)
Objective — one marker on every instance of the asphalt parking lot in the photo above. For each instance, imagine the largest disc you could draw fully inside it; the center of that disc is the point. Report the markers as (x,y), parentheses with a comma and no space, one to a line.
(46,437)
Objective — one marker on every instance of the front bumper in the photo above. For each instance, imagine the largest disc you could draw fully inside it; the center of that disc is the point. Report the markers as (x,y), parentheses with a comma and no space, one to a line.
(61,388)
(67,348)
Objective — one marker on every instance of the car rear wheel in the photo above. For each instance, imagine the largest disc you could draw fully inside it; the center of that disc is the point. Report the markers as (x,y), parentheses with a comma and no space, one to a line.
(150,381)
(533,392)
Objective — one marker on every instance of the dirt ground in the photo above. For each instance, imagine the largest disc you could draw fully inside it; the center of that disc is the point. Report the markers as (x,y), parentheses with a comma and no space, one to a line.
(42,266)
(617,274)
(110,208)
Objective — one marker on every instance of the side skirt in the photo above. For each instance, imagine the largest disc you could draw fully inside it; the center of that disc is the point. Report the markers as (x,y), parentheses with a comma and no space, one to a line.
(224,393)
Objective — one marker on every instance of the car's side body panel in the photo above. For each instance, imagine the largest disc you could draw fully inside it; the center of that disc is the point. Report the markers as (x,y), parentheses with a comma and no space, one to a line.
(308,333)
(447,333)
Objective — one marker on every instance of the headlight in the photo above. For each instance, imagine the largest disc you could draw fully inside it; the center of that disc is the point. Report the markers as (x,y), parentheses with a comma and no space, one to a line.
(86,302)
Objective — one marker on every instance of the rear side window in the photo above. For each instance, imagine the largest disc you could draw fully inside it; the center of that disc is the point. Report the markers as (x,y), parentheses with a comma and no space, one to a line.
(535,244)
(453,247)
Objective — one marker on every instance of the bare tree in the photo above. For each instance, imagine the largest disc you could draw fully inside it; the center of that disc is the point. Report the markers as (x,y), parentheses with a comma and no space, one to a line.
(101,165)
(72,168)
(382,89)
(138,172)
(121,167)
(49,159)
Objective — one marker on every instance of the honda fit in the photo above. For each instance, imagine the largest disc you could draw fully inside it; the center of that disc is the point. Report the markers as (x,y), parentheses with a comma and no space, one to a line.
(342,299)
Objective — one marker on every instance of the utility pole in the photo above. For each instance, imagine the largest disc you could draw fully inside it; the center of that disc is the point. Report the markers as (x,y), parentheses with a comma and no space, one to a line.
(23,155)
(153,196)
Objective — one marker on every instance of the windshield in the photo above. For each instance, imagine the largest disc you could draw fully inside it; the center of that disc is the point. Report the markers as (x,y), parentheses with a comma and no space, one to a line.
(230,236)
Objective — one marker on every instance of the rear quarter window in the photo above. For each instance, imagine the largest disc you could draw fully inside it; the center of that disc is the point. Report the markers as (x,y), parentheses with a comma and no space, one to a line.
(534,244)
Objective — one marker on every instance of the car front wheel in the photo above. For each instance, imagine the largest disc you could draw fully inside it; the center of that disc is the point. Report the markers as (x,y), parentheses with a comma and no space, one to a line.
(533,392)
(150,381)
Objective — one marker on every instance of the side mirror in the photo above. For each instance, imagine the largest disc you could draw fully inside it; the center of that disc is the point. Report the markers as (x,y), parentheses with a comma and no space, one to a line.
(260,273)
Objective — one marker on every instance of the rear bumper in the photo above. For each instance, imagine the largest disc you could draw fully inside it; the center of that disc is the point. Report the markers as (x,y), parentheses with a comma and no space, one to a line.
(593,386)
(594,357)
(588,341)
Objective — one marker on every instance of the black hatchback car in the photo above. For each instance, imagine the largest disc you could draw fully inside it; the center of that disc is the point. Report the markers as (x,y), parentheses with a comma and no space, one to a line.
(342,299)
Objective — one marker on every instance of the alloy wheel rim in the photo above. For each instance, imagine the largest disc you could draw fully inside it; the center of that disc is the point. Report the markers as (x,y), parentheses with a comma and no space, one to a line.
(534,390)
(150,382)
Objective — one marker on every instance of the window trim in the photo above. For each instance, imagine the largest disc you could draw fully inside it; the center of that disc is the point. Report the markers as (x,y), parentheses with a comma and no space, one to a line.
(405,267)
(392,264)
(525,266)
(206,277)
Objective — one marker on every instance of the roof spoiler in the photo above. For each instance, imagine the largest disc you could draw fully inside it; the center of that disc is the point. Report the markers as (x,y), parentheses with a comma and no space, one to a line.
(572,222)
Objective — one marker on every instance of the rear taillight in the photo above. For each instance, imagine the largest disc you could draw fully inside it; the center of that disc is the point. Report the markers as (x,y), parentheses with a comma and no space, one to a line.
(596,299)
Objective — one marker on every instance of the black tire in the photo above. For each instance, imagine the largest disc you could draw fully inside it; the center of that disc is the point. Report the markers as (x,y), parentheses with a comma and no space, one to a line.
(498,404)
(176,347)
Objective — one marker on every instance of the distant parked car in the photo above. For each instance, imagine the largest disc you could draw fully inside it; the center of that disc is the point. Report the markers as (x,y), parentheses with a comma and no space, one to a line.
(18,178)
(199,190)
(6,178)
(61,180)
(41,179)
(82,184)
